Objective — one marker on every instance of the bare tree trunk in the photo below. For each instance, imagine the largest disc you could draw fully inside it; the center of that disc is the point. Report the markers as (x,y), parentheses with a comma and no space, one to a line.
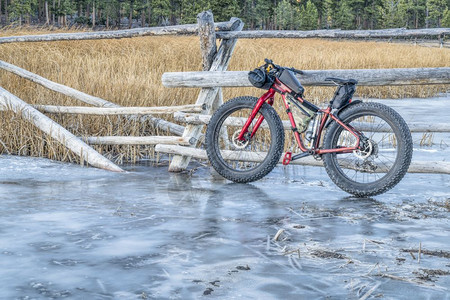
(53,13)
(120,16)
(149,14)
(107,21)
(130,19)
(47,20)
(6,12)
(143,18)
(40,11)
(93,14)
(59,13)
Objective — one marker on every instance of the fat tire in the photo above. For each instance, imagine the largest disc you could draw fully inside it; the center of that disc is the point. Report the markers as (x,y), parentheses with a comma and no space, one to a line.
(400,166)
(274,153)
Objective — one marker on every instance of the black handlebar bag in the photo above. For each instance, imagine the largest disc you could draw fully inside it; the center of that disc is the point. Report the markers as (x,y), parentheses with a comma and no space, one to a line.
(260,78)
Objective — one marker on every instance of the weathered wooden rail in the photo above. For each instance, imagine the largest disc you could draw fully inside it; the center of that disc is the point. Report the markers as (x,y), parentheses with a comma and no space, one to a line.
(224,32)
(199,119)
(108,111)
(415,167)
(188,29)
(213,77)
(105,107)
(335,33)
(375,77)
(365,77)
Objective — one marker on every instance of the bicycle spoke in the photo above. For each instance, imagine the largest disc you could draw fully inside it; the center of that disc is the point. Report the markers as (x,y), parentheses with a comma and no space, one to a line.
(247,154)
(379,157)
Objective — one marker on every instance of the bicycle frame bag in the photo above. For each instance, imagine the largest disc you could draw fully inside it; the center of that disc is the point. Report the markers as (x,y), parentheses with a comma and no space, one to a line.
(260,79)
(343,95)
(288,78)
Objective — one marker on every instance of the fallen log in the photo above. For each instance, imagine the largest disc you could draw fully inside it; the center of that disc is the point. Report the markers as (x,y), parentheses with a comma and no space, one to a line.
(188,29)
(365,77)
(197,119)
(440,167)
(50,127)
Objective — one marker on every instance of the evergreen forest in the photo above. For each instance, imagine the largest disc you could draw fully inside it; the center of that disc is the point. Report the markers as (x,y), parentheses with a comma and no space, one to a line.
(257,14)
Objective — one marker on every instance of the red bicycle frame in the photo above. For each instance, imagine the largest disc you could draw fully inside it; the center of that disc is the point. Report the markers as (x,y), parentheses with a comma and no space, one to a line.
(279,87)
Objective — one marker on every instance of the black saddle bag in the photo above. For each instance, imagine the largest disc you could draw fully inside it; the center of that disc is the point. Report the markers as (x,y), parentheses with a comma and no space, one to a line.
(343,95)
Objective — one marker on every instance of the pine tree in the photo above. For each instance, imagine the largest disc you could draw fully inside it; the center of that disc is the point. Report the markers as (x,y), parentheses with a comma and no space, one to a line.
(320,8)
(435,9)
(357,12)
(446,18)
(344,16)
(248,13)
(309,16)
(403,15)
(191,8)
(329,16)
(161,11)
(19,9)
(223,10)
(285,15)
(417,10)
(390,16)
(370,14)
(263,12)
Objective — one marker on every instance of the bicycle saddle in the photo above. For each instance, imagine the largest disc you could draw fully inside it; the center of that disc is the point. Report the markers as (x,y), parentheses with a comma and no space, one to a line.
(340,81)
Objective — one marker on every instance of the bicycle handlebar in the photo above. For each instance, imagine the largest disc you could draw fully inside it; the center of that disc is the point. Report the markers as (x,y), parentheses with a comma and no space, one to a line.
(280,68)
(296,70)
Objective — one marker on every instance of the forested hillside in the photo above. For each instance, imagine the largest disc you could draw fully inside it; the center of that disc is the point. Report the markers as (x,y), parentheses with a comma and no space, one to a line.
(257,14)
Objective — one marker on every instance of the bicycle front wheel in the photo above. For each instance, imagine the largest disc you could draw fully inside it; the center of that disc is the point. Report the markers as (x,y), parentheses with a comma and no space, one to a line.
(384,155)
(255,156)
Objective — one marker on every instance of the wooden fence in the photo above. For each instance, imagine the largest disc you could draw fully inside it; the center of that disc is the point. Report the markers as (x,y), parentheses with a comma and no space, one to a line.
(213,77)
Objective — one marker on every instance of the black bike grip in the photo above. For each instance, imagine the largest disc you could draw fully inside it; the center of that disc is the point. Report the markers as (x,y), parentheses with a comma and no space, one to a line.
(297,71)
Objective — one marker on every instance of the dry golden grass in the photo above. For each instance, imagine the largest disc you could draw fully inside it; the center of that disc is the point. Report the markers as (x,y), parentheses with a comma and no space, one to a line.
(128,72)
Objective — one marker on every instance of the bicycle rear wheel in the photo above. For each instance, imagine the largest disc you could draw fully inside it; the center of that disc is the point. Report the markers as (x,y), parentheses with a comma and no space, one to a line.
(253,158)
(384,156)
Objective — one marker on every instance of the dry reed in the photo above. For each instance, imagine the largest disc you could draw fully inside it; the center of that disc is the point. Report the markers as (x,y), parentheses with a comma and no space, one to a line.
(128,72)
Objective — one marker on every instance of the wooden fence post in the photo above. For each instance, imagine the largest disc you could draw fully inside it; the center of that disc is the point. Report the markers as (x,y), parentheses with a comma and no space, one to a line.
(208,95)
(207,35)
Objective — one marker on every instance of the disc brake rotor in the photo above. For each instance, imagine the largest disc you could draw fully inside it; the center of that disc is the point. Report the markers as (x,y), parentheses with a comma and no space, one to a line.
(369,148)
(238,143)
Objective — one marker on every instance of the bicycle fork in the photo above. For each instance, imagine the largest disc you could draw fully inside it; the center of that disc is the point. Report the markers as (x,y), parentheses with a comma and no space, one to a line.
(268,96)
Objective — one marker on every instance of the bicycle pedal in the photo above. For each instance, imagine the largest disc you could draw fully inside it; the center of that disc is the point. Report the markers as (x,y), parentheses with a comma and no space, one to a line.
(287,158)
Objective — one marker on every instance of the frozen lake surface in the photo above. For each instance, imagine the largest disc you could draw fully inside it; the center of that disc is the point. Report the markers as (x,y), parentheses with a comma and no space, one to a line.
(83,233)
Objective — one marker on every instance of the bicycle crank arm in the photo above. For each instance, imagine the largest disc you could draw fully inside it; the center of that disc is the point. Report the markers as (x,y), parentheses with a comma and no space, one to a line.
(288,157)
(301,155)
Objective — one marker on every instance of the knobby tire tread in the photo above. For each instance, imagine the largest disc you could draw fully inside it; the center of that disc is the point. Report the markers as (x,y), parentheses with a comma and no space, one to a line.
(274,155)
(401,165)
